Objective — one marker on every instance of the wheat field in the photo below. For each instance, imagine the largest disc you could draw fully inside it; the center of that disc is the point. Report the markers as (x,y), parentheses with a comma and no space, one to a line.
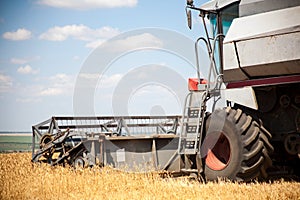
(21,179)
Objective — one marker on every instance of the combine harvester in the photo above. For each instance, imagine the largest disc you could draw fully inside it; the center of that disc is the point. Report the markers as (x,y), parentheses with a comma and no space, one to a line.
(254,52)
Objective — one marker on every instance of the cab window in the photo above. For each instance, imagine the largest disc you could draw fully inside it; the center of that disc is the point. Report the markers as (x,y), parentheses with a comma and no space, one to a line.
(225,18)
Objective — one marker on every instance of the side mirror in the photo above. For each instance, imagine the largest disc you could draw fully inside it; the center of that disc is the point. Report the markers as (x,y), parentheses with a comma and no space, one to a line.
(189,18)
(190,2)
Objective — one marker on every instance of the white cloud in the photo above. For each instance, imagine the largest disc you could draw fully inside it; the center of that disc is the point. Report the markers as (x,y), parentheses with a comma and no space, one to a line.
(88,4)
(61,79)
(76,58)
(22,61)
(109,81)
(78,32)
(61,33)
(89,75)
(59,84)
(20,34)
(19,61)
(6,82)
(104,81)
(51,92)
(94,44)
(27,69)
(134,42)
(151,89)
(28,100)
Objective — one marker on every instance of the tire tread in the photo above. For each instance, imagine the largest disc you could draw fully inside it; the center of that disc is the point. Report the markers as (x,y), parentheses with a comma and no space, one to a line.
(254,159)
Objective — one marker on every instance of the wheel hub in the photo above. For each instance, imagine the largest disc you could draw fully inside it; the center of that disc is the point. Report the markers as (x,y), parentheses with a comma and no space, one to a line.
(218,151)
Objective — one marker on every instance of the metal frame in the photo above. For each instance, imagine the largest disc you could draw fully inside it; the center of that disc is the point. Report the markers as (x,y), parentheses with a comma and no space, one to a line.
(146,142)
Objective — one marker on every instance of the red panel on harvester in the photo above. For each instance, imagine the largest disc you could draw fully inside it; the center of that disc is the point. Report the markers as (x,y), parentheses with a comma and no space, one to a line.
(193,83)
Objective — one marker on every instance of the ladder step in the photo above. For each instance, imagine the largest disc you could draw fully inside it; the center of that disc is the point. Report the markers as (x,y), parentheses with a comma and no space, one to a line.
(192,122)
(189,170)
(194,107)
(191,128)
(190,151)
(193,113)
(190,144)
(190,137)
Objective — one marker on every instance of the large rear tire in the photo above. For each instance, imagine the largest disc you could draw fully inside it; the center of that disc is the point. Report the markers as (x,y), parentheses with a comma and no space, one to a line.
(235,147)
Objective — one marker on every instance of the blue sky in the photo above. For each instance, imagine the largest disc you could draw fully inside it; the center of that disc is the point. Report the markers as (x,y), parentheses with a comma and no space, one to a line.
(46,45)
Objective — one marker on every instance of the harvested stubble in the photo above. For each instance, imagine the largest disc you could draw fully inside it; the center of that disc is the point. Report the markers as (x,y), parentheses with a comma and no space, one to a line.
(20,179)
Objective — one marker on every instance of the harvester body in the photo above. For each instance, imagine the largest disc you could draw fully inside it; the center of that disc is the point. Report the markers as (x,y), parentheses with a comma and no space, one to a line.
(254,69)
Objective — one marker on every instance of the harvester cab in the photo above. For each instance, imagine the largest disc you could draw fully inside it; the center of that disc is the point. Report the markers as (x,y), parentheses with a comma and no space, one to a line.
(217,17)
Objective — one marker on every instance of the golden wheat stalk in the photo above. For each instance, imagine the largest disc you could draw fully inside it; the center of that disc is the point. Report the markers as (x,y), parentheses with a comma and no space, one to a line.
(21,179)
